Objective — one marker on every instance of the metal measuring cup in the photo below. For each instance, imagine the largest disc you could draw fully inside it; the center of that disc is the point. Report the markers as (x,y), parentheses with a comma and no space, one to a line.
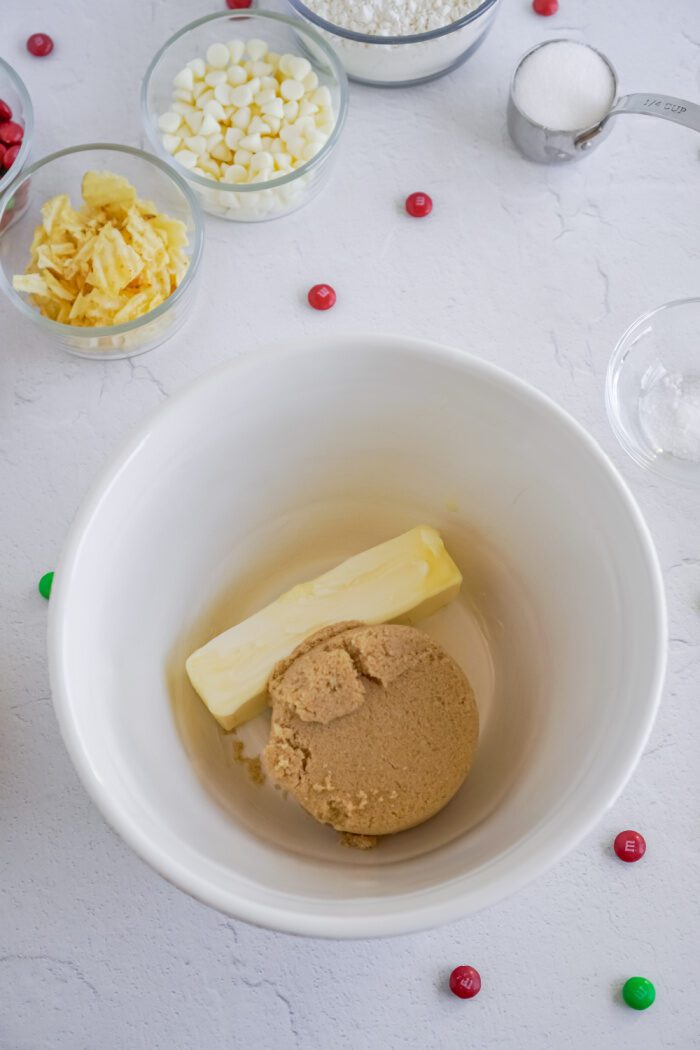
(548,146)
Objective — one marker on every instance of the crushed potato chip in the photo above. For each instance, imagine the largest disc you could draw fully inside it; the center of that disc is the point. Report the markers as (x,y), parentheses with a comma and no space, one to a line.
(112,261)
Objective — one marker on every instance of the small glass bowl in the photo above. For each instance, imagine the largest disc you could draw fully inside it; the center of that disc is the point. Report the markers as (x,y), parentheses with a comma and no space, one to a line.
(402,61)
(259,201)
(652,391)
(13,91)
(62,172)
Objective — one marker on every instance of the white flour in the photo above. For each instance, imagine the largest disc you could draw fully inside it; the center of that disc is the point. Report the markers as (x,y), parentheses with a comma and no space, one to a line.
(392,17)
(402,63)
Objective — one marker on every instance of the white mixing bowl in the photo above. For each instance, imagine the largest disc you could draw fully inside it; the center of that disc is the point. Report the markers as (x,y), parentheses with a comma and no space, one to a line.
(273,468)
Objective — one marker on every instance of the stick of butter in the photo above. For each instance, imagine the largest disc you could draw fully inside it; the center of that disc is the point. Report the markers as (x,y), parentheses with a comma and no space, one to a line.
(402,580)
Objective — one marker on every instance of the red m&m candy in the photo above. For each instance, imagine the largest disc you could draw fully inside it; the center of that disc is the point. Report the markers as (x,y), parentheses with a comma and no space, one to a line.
(465,982)
(545,7)
(39,45)
(321,297)
(234,5)
(419,205)
(5,111)
(630,846)
(10,156)
(11,133)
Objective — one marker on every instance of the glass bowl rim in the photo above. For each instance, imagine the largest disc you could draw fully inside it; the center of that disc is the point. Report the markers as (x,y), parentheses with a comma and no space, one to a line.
(28,119)
(628,442)
(414,38)
(61,330)
(298,25)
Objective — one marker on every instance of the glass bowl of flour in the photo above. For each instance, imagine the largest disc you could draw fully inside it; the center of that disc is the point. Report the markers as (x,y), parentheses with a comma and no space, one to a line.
(653,391)
(395,43)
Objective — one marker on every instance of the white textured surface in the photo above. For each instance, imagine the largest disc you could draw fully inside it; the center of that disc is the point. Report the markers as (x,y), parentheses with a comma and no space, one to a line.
(537,269)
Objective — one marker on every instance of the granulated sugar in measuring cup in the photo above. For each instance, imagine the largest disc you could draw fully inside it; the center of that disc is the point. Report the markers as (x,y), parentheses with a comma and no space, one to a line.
(562,97)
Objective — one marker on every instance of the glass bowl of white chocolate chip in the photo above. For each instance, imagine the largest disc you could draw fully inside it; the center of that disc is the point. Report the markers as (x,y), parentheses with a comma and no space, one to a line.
(249,107)
(392,43)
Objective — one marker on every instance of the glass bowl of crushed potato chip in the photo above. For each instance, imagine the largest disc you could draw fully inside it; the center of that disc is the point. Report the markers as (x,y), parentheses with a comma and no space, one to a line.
(249,107)
(104,251)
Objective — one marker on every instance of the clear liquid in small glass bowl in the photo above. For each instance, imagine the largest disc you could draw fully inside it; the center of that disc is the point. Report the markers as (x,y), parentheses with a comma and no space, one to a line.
(653,391)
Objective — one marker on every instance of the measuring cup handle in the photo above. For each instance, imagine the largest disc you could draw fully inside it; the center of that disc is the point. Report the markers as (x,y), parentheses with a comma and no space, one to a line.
(667,107)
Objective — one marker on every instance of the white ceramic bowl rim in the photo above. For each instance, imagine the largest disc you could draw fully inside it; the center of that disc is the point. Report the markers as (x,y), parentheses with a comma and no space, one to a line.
(28,121)
(339,73)
(643,458)
(565,826)
(411,38)
(56,327)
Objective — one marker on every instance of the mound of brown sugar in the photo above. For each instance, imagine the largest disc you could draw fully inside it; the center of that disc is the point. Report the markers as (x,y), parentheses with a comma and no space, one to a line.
(373,728)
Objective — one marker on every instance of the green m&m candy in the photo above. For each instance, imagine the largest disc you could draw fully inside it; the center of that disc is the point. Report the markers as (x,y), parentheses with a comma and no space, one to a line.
(45,584)
(639,993)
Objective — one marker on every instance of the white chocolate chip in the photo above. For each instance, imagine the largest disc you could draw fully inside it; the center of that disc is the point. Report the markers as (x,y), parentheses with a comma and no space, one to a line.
(233,136)
(307,108)
(183,96)
(236,75)
(216,77)
(184,79)
(186,158)
(311,149)
(292,90)
(310,81)
(198,67)
(221,152)
(259,125)
(170,122)
(291,111)
(298,67)
(236,49)
(242,156)
(262,162)
(273,108)
(209,125)
(222,94)
(218,56)
(182,108)
(205,97)
(322,98)
(197,143)
(210,166)
(215,109)
(194,121)
(235,173)
(256,49)
(251,142)
(171,142)
(242,95)
(241,118)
